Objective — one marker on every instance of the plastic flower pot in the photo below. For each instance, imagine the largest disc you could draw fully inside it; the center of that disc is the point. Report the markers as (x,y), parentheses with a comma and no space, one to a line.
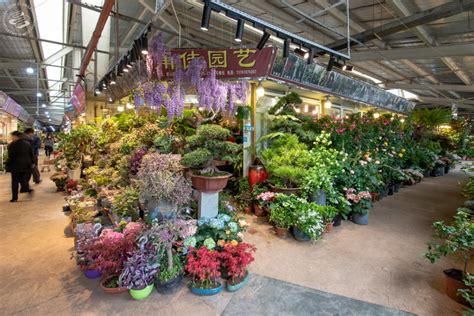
(299,235)
(318,197)
(281,232)
(239,285)
(453,284)
(446,169)
(210,184)
(391,190)
(337,220)
(141,294)
(206,292)
(111,290)
(92,274)
(169,286)
(396,188)
(259,211)
(427,173)
(360,219)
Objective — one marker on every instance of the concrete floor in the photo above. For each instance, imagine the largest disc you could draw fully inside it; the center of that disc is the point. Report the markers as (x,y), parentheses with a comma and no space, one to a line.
(381,263)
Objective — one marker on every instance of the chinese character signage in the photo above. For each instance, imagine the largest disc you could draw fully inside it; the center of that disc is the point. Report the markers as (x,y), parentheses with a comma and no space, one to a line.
(228,63)
(314,76)
(9,106)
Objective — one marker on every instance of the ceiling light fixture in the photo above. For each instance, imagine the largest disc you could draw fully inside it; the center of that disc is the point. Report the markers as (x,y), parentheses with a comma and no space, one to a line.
(39,95)
(144,46)
(129,105)
(113,77)
(206,16)
(30,70)
(240,30)
(263,40)
(43,105)
(120,108)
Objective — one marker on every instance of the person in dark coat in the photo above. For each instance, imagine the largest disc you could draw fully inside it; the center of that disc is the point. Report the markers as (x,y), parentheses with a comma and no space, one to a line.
(35,143)
(19,163)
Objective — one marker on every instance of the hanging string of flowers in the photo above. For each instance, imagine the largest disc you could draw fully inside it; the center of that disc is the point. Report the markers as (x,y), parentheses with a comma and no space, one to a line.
(214,95)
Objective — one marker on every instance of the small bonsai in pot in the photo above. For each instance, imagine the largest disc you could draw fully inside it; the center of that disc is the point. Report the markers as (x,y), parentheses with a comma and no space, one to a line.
(139,272)
(455,239)
(235,261)
(203,149)
(281,215)
(162,185)
(204,268)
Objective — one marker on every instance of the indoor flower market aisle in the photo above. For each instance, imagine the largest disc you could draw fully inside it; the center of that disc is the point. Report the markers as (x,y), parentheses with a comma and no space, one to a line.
(380,264)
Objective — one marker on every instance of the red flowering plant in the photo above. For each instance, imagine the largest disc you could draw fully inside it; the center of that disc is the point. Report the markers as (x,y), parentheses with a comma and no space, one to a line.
(71,185)
(108,252)
(204,267)
(236,259)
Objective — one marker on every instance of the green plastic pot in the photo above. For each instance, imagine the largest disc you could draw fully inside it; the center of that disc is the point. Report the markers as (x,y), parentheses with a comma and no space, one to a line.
(141,294)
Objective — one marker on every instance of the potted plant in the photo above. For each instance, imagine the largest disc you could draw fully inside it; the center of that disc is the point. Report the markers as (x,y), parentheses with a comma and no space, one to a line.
(281,215)
(262,201)
(455,239)
(59,179)
(235,261)
(319,179)
(110,285)
(244,196)
(208,145)
(126,206)
(138,273)
(162,236)
(361,203)
(308,223)
(287,161)
(110,251)
(328,213)
(162,185)
(204,268)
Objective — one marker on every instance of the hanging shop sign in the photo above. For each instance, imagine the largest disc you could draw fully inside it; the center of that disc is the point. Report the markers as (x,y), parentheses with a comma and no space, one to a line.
(9,106)
(229,63)
(314,76)
(77,103)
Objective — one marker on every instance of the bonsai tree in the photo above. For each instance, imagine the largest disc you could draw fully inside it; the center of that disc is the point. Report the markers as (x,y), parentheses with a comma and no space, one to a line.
(284,106)
(162,236)
(456,239)
(287,161)
(210,143)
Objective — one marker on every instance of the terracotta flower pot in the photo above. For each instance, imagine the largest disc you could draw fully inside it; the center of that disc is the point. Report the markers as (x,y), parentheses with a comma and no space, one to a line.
(247,210)
(286,191)
(329,227)
(453,284)
(281,232)
(111,290)
(259,211)
(210,184)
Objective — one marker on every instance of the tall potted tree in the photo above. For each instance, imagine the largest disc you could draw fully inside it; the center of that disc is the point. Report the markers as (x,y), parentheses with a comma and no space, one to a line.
(162,185)
(455,239)
(203,149)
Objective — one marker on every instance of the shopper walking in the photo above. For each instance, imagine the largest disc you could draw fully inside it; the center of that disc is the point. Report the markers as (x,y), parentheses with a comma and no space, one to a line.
(35,142)
(19,163)
(48,145)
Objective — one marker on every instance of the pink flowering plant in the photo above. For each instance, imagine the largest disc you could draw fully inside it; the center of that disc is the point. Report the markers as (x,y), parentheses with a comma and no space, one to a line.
(265,198)
(361,201)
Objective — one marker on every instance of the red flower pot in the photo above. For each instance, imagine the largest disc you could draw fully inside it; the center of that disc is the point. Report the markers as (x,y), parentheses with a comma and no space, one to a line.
(259,211)
(210,184)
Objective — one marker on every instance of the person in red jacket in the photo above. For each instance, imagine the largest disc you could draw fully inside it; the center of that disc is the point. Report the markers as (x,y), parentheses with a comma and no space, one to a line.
(19,163)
